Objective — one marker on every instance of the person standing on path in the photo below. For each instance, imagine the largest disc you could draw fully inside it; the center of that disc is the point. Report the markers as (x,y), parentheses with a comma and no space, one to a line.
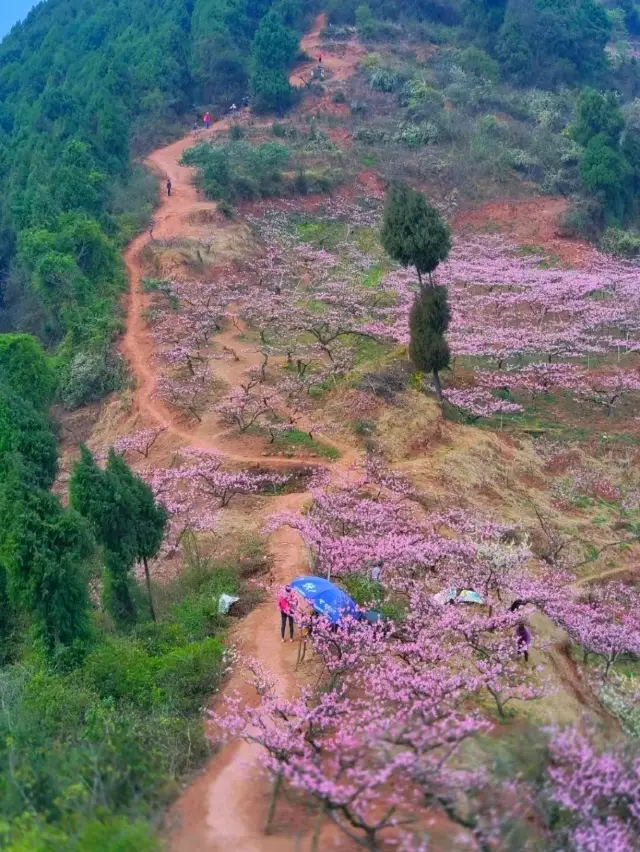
(286,606)
(207,120)
(169,186)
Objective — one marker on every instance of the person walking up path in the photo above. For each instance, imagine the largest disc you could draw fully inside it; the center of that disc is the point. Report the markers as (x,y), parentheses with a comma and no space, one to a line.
(169,186)
(207,120)
(286,605)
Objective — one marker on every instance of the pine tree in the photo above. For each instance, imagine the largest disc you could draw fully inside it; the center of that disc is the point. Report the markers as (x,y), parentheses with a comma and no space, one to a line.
(44,551)
(149,518)
(109,506)
(413,233)
(272,52)
(428,322)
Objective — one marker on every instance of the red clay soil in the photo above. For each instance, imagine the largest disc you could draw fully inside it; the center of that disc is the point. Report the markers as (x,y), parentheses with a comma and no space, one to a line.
(530,222)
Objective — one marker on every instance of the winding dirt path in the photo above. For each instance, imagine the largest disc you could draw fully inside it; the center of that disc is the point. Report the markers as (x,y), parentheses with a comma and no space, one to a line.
(225,807)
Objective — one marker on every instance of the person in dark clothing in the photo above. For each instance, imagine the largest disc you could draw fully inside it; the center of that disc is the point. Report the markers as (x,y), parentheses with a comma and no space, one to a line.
(523,640)
(169,187)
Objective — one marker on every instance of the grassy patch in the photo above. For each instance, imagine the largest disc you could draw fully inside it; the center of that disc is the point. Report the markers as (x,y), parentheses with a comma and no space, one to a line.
(326,235)
(374,275)
(296,439)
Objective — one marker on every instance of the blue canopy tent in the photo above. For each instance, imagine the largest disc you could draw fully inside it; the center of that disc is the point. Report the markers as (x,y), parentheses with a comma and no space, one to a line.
(325,597)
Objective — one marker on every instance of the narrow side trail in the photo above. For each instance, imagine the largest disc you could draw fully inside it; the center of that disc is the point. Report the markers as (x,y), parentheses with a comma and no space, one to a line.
(225,807)
(340,60)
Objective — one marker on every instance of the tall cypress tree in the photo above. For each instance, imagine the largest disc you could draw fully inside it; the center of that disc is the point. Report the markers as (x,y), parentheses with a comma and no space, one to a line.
(413,233)
(428,322)
(44,551)
(149,518)
(109,507)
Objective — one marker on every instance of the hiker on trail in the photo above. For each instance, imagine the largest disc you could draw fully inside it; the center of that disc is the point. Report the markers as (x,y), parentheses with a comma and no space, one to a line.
(320,59)
(286,605)
(523,640)
(233,107)
(168,186)
(207,120)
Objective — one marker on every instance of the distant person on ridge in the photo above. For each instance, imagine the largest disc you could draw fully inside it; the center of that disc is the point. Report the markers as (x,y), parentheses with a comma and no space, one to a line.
(286,604)
(320,59)
(168,186)
(207,120)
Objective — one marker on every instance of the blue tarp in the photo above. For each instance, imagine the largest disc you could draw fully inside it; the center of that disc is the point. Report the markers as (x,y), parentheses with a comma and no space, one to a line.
(325,597)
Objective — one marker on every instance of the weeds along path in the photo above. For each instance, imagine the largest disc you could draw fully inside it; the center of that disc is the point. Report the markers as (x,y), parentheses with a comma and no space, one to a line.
(224,808)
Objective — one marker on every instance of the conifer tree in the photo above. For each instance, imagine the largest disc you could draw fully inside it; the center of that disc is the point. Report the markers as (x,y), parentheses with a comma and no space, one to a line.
(109,507)
(272,52)
(413,233)
(428,322)
(149,518)
(44,550)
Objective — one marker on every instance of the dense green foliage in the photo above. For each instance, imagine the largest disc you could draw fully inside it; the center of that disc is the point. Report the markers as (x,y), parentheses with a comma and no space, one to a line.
(88,754)
(126,521)
(272,53)
(95,727)
(237,170)
(414,234)
(428,322)
(79,86)
(412,231)
(610,164)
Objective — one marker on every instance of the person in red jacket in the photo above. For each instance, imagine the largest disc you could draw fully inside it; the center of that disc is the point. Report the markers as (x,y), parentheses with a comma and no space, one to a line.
(286,603)
(207,120)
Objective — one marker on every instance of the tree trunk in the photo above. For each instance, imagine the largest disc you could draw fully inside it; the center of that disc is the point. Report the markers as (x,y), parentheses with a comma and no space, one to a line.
(148,582)
(315,840)
(275,791)
(438,386)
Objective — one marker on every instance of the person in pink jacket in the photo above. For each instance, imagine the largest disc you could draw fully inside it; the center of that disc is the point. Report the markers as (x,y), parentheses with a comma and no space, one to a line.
(286,603)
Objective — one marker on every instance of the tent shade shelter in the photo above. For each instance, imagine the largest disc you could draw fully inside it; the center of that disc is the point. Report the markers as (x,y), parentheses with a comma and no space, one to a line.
(464,596)
(325,597)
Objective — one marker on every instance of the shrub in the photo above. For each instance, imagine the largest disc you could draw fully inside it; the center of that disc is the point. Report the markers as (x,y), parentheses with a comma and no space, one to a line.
(237,170)
(370,135)
(122,670)
(386,384)
(583,219)
(339,97)
(385,80)
(226,209)
(417,135)
(480,64)
(418,96)
(621,243)
(236,131)
(90,375)
(189,674)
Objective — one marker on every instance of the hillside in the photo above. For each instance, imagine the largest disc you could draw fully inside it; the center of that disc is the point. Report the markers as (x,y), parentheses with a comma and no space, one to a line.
(264,355)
